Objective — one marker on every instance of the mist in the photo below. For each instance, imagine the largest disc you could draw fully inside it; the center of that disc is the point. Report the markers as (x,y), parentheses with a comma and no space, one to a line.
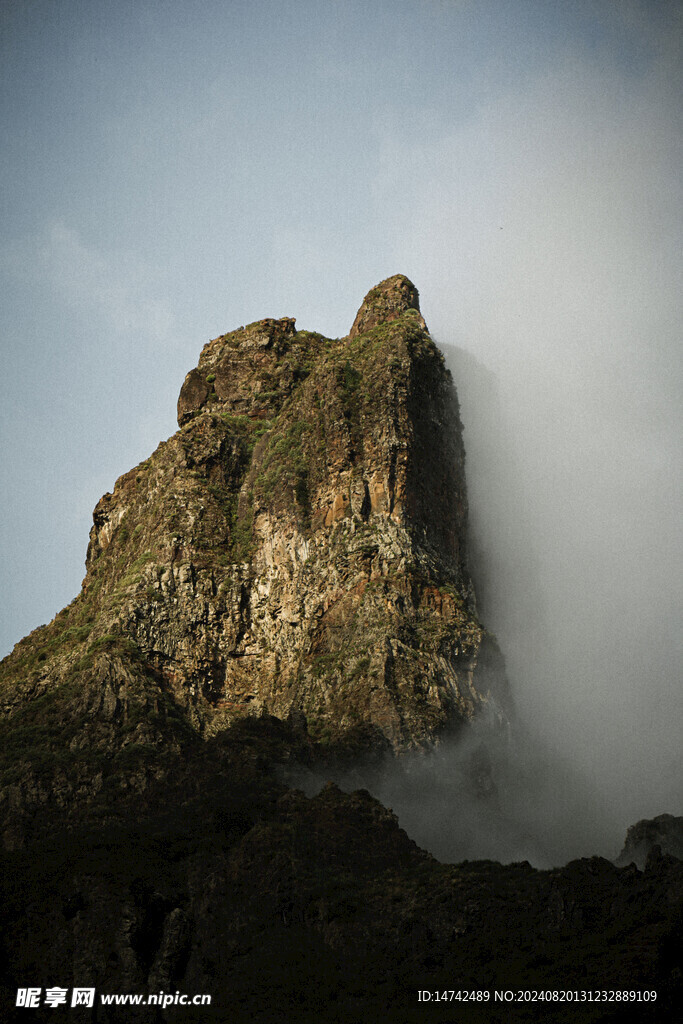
(485,794)
(548,243)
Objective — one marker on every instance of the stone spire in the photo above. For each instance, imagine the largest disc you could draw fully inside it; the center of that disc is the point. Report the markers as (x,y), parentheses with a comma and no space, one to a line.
(386,301)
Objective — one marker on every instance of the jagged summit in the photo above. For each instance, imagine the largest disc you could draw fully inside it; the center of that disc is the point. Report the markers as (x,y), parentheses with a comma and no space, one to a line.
(385,302)
(252,370)
(296,549)
(234,370)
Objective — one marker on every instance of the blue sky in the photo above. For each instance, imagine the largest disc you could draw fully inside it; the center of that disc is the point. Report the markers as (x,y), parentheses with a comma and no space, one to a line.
(172,170)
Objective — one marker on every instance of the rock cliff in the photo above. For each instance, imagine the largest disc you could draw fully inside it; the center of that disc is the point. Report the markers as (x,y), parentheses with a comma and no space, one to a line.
(296,549)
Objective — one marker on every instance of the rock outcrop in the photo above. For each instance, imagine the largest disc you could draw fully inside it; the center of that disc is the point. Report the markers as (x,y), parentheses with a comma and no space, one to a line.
(385,302)
(663,834)
(296,549)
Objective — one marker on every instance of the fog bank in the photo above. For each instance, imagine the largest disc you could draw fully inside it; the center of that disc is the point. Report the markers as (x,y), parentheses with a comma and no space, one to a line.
(546,242)
(575,549)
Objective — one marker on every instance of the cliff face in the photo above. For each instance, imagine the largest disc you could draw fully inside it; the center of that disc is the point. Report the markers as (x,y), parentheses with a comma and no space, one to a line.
(296,549)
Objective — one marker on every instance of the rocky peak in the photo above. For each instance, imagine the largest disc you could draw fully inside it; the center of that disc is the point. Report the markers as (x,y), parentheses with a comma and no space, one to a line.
(248,371)
(297,549)
(665,832)
(385,302)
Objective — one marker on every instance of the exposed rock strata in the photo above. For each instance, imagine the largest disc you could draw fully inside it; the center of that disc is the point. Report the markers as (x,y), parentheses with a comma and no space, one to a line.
(296,549)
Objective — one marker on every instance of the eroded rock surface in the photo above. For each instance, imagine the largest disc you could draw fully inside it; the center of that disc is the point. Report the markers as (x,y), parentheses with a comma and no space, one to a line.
(296,549)
(663,833)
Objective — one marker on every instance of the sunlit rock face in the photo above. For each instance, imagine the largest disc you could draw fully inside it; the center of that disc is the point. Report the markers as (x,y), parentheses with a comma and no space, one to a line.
(304,535)
(387,301)
(297,549)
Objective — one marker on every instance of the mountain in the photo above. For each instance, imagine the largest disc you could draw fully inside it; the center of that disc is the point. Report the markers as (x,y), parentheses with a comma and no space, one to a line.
(283,586)
(296,549)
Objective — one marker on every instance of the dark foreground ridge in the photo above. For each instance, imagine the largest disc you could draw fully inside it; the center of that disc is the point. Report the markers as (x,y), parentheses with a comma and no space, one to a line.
(283,585)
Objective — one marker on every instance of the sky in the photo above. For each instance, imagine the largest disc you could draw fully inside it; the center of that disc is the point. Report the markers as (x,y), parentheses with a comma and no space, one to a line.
(172,170)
